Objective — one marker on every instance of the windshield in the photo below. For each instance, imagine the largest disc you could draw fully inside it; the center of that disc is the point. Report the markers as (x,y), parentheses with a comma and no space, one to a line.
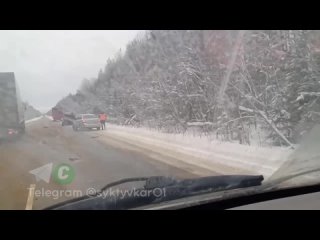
(181,104)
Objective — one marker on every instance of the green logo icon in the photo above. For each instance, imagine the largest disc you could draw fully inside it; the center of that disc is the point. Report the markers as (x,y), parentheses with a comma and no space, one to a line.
(63,174)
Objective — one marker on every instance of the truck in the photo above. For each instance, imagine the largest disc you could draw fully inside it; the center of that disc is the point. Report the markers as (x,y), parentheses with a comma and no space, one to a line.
(12,121)
(57,114)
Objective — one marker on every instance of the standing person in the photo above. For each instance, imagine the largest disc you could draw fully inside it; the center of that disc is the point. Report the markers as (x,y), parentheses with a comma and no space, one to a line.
(103,118)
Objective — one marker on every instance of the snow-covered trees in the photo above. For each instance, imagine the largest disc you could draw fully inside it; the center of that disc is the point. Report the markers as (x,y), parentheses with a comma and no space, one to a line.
(226,82)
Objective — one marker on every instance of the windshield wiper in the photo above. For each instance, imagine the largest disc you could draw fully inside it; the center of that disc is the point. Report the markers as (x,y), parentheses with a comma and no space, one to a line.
(171,189)
(276,182)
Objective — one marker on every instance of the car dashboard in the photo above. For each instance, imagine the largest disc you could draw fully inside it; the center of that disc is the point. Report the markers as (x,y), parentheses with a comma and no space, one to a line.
(309,201)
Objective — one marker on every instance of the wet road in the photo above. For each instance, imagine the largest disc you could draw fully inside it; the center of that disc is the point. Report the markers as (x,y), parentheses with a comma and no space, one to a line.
(95,163)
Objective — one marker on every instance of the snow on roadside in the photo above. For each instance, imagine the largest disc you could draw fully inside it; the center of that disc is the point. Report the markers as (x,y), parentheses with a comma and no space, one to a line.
(49,117)
(33,119)
(200,151)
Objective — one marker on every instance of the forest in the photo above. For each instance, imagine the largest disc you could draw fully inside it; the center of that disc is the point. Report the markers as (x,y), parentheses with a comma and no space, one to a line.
(246,86)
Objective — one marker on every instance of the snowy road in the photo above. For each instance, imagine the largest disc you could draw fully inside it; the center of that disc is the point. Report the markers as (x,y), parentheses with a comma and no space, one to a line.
(96,163)
(101,157)
(200,155)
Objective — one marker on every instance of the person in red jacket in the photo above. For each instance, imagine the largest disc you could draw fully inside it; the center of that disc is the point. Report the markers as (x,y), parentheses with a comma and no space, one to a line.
(103,118)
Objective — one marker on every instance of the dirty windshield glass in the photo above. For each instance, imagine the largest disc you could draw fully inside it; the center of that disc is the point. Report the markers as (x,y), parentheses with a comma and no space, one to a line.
(122,116)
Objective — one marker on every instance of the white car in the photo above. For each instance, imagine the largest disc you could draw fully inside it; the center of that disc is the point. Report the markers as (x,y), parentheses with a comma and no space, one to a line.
(86,121)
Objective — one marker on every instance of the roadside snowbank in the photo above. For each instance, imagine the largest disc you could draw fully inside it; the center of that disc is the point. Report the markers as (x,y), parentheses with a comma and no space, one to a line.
(202,152)
(33,119)
(49,117)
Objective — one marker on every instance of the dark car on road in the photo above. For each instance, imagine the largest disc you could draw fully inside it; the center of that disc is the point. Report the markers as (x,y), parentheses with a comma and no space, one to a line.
(86,121)
(68,119)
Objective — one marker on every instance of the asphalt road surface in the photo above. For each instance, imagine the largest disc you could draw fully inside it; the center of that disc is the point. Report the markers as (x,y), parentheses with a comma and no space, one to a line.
(95,164)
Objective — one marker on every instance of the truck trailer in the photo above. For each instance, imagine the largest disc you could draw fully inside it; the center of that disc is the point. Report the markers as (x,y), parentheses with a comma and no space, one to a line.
(12,120)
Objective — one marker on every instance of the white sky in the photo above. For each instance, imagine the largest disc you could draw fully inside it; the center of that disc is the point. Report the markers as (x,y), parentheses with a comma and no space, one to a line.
(51,64)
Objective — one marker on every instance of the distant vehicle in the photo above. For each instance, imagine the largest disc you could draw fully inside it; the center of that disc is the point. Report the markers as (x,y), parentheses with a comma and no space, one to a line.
(12,110)
(57,115)
(68,119)
(86,121)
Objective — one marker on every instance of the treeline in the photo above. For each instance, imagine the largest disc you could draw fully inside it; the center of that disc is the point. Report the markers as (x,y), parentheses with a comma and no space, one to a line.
(237,85)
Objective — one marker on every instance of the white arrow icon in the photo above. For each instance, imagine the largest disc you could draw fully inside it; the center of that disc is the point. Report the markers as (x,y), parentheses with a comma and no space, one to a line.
(43,172)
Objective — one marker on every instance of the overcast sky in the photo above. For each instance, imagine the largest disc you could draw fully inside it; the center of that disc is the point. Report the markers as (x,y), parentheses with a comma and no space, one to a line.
(50,64)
